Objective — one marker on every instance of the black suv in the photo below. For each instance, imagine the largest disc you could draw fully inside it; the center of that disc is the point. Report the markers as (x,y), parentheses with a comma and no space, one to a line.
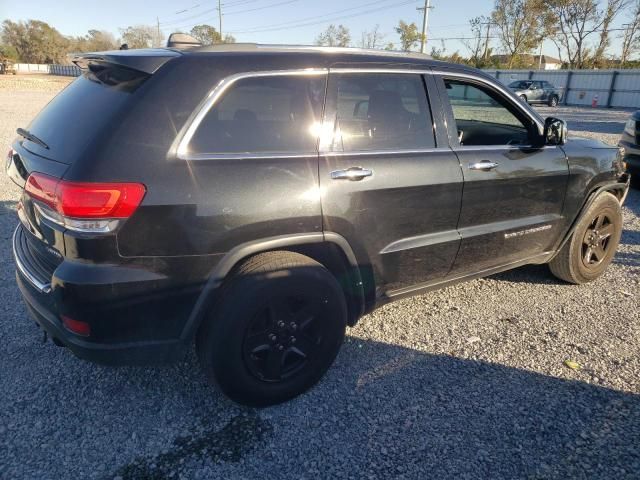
(257,200)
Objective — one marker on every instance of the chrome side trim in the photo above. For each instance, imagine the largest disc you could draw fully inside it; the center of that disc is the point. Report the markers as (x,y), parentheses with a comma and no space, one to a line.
(419,241)
(211,99)
(42,287)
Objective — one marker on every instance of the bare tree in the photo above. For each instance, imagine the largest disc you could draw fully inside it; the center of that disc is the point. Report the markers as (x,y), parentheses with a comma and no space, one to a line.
(334,37)
(614,7)
(521,25)
(372,39)
(476,45)
(576,21)
(631,37)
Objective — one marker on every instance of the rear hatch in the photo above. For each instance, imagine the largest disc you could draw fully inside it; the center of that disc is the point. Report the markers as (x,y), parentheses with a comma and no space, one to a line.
(63,133)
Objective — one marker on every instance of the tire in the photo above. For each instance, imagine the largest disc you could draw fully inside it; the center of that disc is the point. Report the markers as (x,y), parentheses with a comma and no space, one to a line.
(523,98)
(587,254)
(276,330)
(553,101)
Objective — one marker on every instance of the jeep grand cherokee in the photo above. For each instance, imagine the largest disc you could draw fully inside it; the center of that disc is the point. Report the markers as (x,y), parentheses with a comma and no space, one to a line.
(256,200)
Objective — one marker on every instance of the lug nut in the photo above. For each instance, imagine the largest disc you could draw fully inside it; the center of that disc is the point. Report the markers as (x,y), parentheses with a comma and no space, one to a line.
(292,339)
(272,337)
(293,325)
(281,324)
(280,347)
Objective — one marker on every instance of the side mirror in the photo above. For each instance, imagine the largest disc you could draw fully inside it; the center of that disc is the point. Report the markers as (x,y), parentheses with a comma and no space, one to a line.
(555,131)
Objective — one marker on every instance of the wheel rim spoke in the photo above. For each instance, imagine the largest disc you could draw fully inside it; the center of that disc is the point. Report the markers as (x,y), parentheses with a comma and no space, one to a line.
(257,342)
(606,231)
(306,315)
(599,221)
(273,366)
(278,311)
(588,255)
(305,345)
(599,253)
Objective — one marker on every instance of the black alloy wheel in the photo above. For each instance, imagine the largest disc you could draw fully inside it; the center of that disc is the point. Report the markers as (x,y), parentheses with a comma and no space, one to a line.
(283,338)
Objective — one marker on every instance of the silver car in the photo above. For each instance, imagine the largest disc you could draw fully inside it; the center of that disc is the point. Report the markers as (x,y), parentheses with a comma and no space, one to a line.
(536,91)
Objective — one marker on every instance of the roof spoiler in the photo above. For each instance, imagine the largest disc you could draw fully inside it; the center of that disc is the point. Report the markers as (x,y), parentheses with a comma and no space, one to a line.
(147,60)
(182,41)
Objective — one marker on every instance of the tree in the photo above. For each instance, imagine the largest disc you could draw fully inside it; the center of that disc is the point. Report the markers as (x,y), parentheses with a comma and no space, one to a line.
(334,37)
(142,36)
(208,35)
(614,7)
(35,41)
(631,37)
(8,51)
(409,35)
(94,41)
(576,21)
(372,39)
(477,46)
(521,25)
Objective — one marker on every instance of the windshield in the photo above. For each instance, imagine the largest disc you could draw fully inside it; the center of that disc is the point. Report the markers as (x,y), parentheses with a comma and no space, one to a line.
(76,116)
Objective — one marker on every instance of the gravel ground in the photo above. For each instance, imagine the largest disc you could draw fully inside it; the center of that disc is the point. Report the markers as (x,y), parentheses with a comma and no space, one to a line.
(466,382)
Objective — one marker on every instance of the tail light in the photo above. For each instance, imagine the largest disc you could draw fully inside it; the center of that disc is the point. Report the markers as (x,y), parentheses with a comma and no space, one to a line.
(87,207)
(76,326)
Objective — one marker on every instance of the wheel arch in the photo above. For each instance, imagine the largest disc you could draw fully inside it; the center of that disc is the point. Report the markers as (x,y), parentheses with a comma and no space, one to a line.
(329,249)
(616,188)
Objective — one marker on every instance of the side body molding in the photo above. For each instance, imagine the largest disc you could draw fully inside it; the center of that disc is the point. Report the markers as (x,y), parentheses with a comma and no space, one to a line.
(248,249)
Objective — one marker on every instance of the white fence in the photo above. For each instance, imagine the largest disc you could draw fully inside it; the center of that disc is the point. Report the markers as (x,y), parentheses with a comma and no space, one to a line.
(613,88)
(66,70)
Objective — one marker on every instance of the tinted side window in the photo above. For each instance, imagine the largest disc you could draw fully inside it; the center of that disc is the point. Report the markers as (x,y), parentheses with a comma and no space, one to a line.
(382,112)
(483,117)
(276,114)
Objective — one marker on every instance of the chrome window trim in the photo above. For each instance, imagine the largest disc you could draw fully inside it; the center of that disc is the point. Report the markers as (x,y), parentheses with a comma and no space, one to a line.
(42,287)
(494,85)
(214,95)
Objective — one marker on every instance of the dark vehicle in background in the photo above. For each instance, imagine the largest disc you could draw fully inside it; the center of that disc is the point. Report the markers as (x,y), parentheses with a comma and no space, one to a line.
(258,200)
(630,142)
(536,91)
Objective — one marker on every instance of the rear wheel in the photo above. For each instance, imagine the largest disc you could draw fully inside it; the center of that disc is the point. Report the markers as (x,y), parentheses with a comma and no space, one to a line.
(276,331)
(593,244)
(553,101)
(523,98)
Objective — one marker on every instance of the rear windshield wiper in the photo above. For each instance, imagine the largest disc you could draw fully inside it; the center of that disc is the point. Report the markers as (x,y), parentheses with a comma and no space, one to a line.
(31,137)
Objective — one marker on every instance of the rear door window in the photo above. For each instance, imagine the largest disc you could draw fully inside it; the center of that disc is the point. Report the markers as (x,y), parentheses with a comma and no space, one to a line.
(381,112)
(275,114)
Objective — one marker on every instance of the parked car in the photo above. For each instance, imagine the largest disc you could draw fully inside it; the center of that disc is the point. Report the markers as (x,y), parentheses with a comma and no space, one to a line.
(257,200)
(630,142)
(536,91)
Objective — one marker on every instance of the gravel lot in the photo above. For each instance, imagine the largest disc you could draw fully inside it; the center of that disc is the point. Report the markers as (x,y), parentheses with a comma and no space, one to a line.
(466,382)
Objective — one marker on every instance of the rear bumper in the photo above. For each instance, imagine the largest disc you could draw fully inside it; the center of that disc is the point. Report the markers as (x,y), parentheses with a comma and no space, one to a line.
(134,353)
(130,324)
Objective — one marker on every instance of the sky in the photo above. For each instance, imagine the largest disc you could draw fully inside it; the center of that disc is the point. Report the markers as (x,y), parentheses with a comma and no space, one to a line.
(264,21)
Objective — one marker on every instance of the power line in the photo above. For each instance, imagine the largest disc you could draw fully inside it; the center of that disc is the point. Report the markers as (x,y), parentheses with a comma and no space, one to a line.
(295,24)
(262,8)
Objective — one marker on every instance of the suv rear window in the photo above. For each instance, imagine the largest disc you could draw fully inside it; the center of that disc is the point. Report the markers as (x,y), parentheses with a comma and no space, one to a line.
(74,118)
(276,114)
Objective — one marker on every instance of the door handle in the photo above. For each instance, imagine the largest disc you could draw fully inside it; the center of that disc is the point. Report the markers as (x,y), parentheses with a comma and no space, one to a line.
(353,173)
(484,165)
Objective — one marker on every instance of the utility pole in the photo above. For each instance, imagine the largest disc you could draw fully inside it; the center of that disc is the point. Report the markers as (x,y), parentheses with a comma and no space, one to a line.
(425,24)
(540,56)
(486,42)
(158,33)
(220,19)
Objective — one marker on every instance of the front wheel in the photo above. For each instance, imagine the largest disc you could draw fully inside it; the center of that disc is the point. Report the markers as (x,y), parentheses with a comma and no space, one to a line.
(523,98)
(593,244)
(275,331)
(553,101)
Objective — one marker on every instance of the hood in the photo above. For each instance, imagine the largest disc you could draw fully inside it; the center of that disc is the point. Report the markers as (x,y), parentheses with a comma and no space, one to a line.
(590,143)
